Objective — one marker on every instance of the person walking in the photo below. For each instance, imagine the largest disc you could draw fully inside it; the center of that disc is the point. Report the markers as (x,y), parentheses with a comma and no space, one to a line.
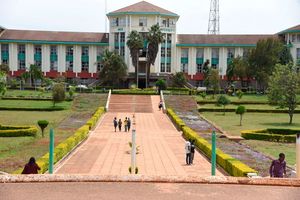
(125,124)
(278,167)
(160,104)
(187,152)
(128,124)
(120,124)
(115,123)
(192,152)
(31,167)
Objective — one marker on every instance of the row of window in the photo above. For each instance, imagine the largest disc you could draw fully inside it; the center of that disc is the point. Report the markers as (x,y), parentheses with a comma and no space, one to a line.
(53,57)
(121,21)
(295,38)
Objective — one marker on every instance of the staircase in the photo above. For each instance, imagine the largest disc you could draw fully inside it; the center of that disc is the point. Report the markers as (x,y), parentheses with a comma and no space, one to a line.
(130,104)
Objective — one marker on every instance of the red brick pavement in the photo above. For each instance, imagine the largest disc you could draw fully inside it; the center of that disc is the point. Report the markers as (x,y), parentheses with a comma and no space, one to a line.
(161,146)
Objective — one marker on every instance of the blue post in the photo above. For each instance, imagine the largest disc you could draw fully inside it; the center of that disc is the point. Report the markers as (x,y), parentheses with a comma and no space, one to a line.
(213,153)
(51,151)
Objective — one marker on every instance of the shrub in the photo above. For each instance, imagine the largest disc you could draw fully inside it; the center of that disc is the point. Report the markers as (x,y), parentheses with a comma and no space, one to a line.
(17,131)
(240,111)
(223,100)
(71,91)
(161,84)
(43,124)
(240,94)
(58,93)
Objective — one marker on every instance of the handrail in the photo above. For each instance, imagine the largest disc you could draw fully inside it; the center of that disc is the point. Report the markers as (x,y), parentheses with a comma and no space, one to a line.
(163,101)
(107,102)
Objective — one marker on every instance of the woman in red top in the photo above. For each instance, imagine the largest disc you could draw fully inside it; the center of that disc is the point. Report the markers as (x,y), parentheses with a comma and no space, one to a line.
(31,167)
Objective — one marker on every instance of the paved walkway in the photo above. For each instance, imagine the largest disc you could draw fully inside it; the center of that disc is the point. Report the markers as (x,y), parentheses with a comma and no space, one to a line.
(143,191)
(161,147)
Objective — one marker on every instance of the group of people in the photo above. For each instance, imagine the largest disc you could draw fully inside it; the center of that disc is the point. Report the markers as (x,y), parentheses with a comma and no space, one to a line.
(118,123)
(190,151)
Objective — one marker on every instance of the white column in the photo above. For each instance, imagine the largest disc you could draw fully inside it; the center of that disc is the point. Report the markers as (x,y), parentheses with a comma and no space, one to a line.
(13,57)
(61,58)
(192,61)
(0,55)
(207,54)
(29,55)
(77,59)
(298,155)
(92,59)
(178,61)
(45,58)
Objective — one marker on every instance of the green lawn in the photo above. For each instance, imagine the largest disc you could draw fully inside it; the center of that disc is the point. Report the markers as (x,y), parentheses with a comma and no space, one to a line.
(246,97)
(253,106)
(230,122)
(27,93)
(32,104)
(273,149)
(15,152)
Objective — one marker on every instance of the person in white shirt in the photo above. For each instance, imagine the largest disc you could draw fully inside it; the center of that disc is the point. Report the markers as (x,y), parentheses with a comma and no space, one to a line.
(188,152)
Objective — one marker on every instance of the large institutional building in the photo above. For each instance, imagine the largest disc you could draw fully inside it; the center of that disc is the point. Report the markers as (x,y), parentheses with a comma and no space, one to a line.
(79,55)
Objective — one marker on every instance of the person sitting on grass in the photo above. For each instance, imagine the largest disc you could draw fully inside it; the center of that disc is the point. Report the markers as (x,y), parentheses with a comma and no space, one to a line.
(31,167)
(278,167)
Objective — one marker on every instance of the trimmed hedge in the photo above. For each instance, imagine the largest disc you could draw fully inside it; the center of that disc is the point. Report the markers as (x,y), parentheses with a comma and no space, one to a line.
(248,110)
(56,108)
(135,92)
(273,135)
(18,131)
(234,102)
(63,148)
(231,165)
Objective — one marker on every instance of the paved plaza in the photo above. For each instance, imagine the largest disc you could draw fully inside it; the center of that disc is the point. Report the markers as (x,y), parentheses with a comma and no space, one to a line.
(161,146)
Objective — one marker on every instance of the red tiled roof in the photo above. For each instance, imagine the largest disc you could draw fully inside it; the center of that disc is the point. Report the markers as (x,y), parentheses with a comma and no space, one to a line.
(143,6)
(292,29)
(53,36)
(221,39)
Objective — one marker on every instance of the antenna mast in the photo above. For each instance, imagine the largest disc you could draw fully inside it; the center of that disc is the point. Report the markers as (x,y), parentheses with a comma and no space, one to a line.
(214,18)
(105,16)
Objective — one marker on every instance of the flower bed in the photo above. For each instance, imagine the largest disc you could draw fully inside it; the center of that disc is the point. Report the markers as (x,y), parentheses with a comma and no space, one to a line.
(231,165)
(277,135)
(17,131)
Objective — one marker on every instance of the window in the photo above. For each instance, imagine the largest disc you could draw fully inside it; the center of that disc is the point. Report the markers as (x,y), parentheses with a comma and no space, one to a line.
(21,64)
(199,68)
(246,52)
(38,55)
(298,54)
(53,58)
(165,22)
(116,38)
(122,51)
(53,50)
(53,65)
(168,67)
(21,49)
(294,38)
(100,51)
(37,49)
(38,63)
(163,52)
(200,53)
(169,38)
(162,67)
(69,65)
(4,53)
(69,51)
(122,21)
(99,66)
(85,66)
(184,67)
(122,37)
(143,21)
(85,51)
(184,53)
(230,53)
(115,22)
(298,38)
(215,53)
(169,52)
(4,48)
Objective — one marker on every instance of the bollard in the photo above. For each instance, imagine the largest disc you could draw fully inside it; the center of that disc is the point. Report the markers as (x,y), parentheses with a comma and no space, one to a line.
(51,151)
(213,153)
(133,152)
(298,155)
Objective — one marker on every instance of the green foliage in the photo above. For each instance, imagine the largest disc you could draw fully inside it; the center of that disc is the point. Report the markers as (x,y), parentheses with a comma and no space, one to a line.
(2,83)
(214,81)
(240,94)
(17,131)
(179,79)
(58,93)
(114,69)
(43,124)
(240,110)
(284,85)
(273,135)
(71,91)
(161,84)
(223,101)
(203,95)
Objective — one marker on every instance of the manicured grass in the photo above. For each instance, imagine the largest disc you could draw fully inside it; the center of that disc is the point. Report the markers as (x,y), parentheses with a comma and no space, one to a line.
(253,106)
(15,152)
(32,104)
(230,122)
(273,149)
(246,97)
(27,93)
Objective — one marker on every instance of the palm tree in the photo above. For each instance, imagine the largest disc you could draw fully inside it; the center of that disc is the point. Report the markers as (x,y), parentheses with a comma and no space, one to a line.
(134,43)
(114,68)
(154,37)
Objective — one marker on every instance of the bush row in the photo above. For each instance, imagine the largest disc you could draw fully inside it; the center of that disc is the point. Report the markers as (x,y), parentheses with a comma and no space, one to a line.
(135,92)
(93,120)
(18,131)
(56,108)
(273,135)
(231,165)
(67,145)
(248,110)
(234,102)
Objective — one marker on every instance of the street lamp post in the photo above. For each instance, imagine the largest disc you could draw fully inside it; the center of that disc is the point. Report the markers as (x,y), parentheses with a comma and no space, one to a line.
(137,69)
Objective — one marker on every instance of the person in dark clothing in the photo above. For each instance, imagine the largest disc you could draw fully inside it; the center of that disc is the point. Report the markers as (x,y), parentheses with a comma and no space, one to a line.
(115,123)
(278,167)
(192,152)
(120,125)
(128,124)
(31,167)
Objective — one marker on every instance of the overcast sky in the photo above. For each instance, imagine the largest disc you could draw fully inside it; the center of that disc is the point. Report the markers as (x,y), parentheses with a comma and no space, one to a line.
(236,16)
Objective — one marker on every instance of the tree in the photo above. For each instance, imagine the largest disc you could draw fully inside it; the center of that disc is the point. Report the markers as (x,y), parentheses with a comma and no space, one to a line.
(154,37)
(4,68)
(35,73)
(114,69)
(241,110)
(214,81)
(161,84)
(43,124)
(134,43)
(58,93)
(71,91)
(285,56)
(2,83)
(284,85)
(179,79)
(206,71)
(224,101)
(263,59)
